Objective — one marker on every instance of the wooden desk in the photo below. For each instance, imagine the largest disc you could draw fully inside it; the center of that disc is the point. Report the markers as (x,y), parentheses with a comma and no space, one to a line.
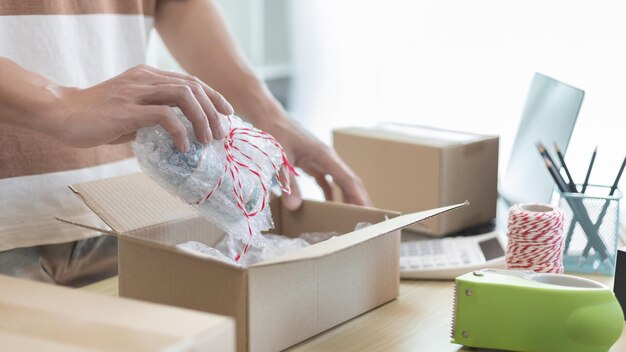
(419,320)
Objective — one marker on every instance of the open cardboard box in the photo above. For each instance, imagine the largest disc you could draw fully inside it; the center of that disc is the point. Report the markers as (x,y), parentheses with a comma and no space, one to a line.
(275,303)
(41,317)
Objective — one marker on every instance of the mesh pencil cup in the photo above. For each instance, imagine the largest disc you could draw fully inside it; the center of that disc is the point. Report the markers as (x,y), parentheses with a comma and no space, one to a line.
(591,230)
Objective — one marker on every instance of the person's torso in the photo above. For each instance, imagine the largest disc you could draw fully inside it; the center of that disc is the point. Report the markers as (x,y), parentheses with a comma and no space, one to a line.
(76,43)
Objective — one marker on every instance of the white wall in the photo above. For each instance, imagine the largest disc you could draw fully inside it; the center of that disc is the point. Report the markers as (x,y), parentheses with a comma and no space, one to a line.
(462,64)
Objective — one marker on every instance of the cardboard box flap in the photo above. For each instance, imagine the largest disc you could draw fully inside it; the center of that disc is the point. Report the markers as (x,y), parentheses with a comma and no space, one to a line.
(341,242)
(131,202)
(103,229)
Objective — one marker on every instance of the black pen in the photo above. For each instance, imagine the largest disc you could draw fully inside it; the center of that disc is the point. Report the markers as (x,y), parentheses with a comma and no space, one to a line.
(593,159)
(571,184)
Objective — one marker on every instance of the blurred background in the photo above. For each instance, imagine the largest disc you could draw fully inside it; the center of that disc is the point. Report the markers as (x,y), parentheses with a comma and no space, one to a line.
(461,65)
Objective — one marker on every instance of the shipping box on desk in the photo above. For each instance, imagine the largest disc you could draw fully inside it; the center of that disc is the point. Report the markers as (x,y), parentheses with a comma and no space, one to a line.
(42,317)
(411,168)
(276,303)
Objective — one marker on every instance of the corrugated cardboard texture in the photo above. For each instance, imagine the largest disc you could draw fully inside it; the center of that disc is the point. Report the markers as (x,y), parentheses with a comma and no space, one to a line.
(337,217)
(43,317)
(398,176)
(353,238)
(144,202)
(163,276)
(470,172)
(276,208)
(297,300)
(407,174)
(181,231)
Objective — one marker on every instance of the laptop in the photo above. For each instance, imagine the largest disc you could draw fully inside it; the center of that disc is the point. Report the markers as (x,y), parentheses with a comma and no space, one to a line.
(549,116)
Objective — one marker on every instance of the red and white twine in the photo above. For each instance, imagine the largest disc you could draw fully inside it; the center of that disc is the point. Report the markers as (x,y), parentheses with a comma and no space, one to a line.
(535,238)
(238,161)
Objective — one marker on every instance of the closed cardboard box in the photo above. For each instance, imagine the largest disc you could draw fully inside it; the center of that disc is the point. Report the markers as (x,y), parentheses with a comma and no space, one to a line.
(42,317)
(412,168)
(275,303)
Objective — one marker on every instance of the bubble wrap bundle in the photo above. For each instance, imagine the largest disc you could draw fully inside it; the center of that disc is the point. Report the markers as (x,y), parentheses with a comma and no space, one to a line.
(227,180)
(275,246)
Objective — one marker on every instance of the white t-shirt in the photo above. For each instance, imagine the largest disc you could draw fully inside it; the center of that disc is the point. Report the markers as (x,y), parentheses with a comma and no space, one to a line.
(74,43)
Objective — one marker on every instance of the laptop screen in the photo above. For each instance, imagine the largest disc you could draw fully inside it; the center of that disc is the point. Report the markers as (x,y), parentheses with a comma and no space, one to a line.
(549,116)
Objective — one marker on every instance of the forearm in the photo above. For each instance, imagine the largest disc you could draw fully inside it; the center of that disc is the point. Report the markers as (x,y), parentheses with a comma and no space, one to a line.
(197,37)
(113,110)
(195,33)
(26,98)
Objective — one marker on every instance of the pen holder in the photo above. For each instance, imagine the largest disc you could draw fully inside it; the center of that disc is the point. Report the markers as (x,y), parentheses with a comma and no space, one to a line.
(591,230)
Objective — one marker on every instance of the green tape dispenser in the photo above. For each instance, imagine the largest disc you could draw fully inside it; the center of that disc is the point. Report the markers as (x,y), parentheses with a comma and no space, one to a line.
(521,310)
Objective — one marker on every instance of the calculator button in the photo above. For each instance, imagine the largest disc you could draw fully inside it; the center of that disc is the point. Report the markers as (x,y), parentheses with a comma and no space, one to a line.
(411,262)
(414,264)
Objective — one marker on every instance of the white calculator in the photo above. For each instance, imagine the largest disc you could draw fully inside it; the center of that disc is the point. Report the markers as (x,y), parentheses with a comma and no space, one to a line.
(447,258)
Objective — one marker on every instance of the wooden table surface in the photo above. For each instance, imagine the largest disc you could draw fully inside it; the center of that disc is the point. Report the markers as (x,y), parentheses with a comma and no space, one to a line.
(419,320)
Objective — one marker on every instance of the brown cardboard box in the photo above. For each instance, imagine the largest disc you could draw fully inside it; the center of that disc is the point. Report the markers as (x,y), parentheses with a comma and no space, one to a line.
(42,317)
(276,303)
(412,168)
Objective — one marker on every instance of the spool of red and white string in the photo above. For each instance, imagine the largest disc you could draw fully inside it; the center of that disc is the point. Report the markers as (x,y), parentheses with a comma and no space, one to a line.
(535,238)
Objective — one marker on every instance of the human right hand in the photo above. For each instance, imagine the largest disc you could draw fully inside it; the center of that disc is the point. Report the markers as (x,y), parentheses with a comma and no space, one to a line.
(112,111)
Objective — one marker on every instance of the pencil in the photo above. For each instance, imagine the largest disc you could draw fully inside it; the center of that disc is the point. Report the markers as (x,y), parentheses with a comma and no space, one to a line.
(593,159)
(619,175)
(544,152)
(605,207)
(546,156)
(571,184)
(572,225)
(579,212)
(560,183)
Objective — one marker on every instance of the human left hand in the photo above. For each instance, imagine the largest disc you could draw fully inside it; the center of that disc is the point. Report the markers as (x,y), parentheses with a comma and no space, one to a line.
(319,161)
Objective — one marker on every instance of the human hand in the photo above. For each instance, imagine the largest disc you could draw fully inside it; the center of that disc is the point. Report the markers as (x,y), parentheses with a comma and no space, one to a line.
(318,160)
(112,111)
